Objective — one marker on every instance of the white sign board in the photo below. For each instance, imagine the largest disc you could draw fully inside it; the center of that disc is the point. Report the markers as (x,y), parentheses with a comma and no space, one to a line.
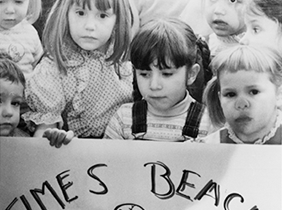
(138,175)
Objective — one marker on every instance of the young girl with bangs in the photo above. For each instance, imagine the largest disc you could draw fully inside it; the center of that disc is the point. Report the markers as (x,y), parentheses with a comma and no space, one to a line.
(83,77)
(167,57)
(245,95)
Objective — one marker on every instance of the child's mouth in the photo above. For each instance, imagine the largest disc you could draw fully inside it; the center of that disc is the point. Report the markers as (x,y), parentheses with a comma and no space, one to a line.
(243,119)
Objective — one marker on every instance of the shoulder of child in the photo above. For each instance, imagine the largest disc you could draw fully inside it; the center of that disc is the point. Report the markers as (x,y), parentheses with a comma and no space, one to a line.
(20,133)
(213,138)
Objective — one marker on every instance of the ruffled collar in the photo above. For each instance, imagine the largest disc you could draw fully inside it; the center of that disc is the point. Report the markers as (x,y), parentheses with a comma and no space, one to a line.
(263,140)
(76,56)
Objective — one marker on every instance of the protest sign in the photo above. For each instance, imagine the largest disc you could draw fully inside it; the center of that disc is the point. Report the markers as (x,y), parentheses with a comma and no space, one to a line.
(138,175)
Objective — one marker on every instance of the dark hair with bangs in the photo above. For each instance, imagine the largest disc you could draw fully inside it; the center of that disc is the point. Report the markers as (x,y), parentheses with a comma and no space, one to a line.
(164,40)
(56,31)
(238,58)
(173,44)
(9,70)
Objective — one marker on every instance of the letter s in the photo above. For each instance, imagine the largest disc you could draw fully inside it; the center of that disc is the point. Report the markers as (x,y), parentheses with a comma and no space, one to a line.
(91,174)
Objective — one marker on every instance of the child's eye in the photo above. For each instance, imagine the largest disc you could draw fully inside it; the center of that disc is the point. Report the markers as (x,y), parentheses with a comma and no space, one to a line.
(80,12)
(144,74)
(167,74)
(229,94)
(235,1)
(16,103)
(256,30)
(103,15)
(254,92)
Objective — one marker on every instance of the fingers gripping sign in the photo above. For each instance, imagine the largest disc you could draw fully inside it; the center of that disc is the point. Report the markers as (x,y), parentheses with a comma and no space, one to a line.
(58,137)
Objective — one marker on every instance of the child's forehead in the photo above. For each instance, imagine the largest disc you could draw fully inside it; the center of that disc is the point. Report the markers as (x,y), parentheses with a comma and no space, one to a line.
(243,77)
(99,4)
(10,88)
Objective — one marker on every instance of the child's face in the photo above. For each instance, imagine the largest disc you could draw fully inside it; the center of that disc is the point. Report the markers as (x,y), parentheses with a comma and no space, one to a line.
(249,102)
(12,12)
(11,96)
(91,29)
(162,89)
(225,17)
(260,30)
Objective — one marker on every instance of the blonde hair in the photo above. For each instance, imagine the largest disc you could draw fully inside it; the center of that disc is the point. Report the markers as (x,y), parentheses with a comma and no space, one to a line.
(56,32)
(234,59)
(33,11)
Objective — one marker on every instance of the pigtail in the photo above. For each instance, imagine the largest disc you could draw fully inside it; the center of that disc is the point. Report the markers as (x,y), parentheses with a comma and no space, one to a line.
(205,74)
(136,93)
(204,58)
(211,99)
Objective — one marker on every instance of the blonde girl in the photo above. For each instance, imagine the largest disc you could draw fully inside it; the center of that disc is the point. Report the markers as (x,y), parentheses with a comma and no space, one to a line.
(245,95)
(82,79)
(18,37)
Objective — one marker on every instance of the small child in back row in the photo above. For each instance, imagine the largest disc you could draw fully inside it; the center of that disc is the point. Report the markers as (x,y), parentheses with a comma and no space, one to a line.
(167,57)
(18,37)
(245,96)
(263,20)
(226,19)
(12,83)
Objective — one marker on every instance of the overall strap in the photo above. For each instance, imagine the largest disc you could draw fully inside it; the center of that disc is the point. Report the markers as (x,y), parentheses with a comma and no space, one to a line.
(139,118)
(193,119)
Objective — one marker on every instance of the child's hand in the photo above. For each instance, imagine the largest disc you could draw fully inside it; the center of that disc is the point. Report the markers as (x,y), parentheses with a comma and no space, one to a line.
(58,137)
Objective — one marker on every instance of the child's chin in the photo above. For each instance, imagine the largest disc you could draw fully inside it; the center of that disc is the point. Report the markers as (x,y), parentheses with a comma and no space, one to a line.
(6,132)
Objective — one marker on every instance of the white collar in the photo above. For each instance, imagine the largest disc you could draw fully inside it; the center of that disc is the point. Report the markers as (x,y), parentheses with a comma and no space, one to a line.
(264,139)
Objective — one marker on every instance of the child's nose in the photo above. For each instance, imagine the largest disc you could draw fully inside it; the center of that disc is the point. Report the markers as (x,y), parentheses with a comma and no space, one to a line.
(242,103)
(90,23)
(155,83)
(220,8)
(7,111)
(9,8)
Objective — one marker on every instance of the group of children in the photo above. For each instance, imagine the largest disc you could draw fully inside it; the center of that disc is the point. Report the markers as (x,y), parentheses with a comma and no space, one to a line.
(99,79)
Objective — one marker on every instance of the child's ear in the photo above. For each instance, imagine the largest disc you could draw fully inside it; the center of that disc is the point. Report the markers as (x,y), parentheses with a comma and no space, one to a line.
(193,73)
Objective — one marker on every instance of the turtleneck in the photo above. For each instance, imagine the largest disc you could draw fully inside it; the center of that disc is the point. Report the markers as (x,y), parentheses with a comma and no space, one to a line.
(178,109)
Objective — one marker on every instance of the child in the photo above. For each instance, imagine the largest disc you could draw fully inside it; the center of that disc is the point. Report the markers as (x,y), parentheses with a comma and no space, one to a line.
(80,82)
(226,19)
(193,15)
(12,83)
(165,56)
(245,95)
(264,23)
(18,37)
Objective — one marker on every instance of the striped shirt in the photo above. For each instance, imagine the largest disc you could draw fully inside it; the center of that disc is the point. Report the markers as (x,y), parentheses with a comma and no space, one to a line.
(167,127)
